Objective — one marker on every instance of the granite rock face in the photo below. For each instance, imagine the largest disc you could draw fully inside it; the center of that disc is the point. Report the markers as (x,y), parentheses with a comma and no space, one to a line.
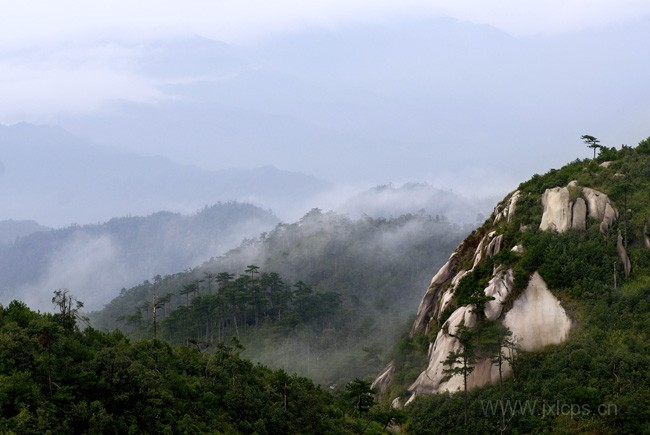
(557,210)
(536,317)
(562,213)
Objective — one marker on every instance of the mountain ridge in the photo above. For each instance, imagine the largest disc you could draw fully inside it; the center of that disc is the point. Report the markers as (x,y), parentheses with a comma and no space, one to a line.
(529,285)
(57,178)
(96,260)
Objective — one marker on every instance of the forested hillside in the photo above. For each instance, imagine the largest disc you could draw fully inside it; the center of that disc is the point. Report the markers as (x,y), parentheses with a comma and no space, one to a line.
(95,261)
(56,378)
(325,297)
(581,232)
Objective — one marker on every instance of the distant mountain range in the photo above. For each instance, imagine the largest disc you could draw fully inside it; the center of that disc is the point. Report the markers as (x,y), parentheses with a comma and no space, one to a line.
(10,230)
(94,261)
(49,175)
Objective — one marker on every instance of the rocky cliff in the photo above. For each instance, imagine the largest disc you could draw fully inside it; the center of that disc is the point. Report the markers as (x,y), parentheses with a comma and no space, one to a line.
(487,280)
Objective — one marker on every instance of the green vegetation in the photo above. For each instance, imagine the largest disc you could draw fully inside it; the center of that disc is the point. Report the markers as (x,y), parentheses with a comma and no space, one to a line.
(56,378)
(104,257)
(325,297)
(597,381)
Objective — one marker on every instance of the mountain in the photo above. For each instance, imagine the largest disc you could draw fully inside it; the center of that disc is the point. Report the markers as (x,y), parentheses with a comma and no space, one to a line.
(10,230)
(429,88)
(56,178)
(388,200)
(542,314)
(95,261)
(311,297)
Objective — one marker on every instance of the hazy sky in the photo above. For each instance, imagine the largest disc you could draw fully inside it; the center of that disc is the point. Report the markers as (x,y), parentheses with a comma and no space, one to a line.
(29,22)
(364,90)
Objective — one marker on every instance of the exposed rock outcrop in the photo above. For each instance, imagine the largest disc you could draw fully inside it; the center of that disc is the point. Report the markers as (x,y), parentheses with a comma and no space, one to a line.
(622,255)
(433,379)
(518,249)
(579,216)
(561,213)
(506,212)
(646,239)
(557,210)
(494,246)
(429,306)
(499,287)
(600,207)
(537,318)
(383,380)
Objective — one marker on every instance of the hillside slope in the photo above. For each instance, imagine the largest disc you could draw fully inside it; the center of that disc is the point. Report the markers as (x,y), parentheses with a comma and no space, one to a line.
(318,302)
(564,264)
(95,261)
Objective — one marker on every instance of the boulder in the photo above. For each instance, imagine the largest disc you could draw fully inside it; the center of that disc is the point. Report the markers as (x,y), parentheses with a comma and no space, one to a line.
(499,288)
(557,210)
(596,202)
(646,239)
(560,213)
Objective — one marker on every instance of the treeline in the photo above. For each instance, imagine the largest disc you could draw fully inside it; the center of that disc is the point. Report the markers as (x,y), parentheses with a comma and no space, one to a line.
(231,307)
(56,378)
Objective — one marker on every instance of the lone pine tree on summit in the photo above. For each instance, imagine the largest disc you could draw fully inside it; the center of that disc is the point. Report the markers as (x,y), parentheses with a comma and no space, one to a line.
(591,142)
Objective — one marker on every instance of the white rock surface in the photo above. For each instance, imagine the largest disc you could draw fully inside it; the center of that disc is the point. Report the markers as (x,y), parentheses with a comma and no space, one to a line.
(512,205)
(537,318)
(383,380)
(622,255)
(596,202)
(506,212)
(579,215)
(494,246)
(499,288)
(609,217)
(557,210)
(518,249)
(430,380)
(431,298)
(560,213)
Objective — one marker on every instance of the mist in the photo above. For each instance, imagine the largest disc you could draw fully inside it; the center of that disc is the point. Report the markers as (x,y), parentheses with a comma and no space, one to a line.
(95,261)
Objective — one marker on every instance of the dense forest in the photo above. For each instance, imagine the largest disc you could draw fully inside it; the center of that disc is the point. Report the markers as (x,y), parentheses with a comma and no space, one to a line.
(325,297)
(57,378)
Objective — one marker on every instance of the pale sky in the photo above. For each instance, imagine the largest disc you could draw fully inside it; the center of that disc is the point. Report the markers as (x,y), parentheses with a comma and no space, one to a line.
(41,22)
(547,72)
